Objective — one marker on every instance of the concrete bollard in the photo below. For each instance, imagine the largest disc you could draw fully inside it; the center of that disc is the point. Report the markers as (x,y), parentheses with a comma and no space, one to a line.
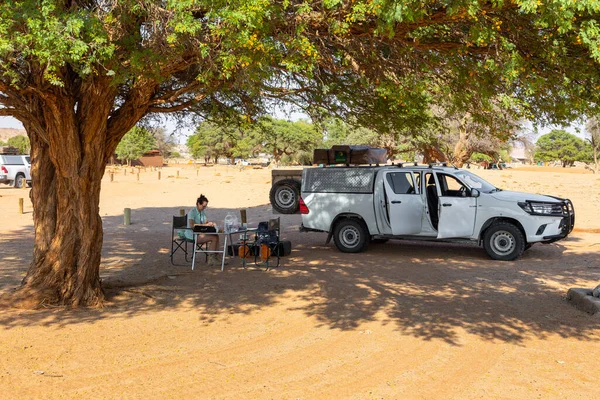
(127,216)
(20,205)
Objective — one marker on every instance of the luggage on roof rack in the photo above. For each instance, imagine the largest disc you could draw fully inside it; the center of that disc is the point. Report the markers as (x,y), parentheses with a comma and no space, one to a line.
(9,150)
(346,154)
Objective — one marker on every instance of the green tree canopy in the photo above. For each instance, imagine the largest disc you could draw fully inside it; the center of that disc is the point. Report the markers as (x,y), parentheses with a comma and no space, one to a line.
(134,144)
(280,137)
(20,142)
(213,141)
(80,74)
(560,145)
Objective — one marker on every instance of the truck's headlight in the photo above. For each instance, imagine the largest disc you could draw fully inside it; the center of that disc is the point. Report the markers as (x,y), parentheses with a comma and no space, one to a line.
(538,208)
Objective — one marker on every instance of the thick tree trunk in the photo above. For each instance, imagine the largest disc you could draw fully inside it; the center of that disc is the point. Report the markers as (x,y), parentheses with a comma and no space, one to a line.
(74,129)
(68,227)
(462,153)
(432,154)
(68,239)
(70,144)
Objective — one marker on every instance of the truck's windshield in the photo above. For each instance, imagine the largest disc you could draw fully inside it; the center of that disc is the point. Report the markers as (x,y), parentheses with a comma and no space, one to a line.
(475,182)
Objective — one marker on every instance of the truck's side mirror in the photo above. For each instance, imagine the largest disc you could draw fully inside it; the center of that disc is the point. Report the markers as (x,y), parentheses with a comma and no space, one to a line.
(475,193)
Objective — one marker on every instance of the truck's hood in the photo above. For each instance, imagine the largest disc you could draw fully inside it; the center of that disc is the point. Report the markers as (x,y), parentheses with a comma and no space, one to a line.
(507,195)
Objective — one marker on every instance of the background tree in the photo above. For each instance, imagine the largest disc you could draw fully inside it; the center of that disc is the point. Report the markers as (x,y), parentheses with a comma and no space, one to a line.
(592,128)
(454,135)
(163,142)
(280,137)
(337,131)
(134,144)
(198,149)
(560,145)
(80,74)
(215,141)
(20,142)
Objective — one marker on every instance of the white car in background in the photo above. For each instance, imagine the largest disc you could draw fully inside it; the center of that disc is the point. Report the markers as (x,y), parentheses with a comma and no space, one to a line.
(15,170)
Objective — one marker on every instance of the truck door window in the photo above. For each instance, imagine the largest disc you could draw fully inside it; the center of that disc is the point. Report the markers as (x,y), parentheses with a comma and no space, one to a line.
(452,187)
(401,182)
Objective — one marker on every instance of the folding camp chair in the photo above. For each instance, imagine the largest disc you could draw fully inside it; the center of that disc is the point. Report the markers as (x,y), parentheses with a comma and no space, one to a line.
(178,239)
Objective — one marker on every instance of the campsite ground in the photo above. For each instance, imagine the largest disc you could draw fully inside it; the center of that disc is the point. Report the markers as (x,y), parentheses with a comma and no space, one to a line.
(402,320)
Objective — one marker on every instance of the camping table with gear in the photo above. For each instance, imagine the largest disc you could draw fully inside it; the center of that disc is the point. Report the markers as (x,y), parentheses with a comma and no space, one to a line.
(260,246)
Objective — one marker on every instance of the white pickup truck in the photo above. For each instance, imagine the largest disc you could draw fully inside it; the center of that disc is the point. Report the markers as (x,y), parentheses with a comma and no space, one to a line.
(440,203)
(15,170)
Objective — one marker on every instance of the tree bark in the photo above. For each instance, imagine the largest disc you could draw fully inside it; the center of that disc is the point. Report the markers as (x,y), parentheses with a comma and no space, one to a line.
(70,150)
(462,153)
(432,154)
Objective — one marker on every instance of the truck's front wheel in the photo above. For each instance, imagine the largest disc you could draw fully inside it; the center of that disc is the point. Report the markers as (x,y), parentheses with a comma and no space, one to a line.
(285,196)
(503,241)
(350,236)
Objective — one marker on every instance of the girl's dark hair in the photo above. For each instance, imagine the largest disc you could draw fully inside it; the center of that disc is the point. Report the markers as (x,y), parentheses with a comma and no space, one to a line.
(201,199)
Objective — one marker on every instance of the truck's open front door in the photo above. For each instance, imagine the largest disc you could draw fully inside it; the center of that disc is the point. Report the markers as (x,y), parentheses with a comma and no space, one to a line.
(457,208)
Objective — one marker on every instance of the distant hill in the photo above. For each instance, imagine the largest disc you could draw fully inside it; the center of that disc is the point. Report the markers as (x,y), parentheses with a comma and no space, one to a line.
(7,133)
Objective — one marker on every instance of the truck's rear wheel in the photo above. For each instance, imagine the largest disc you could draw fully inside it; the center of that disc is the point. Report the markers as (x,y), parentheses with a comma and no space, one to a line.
(350,236)
(285,196)
(503,241)
(19,180)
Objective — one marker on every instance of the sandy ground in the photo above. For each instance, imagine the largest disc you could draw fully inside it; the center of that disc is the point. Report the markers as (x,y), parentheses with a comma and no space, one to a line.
(402,320)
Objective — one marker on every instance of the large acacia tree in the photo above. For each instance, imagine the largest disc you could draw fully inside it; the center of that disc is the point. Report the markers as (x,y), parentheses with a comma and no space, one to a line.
(79,74)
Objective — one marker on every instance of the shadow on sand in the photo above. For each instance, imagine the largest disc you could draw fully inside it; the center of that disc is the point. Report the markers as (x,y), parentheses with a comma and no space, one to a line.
(428,290)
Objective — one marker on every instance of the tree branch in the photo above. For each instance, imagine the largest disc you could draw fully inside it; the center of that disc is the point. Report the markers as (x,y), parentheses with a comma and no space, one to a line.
(174,108)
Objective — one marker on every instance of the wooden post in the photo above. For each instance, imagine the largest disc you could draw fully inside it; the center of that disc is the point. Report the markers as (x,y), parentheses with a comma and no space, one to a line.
(127,216)
(181,212)
(197,170)
(137,176)
(125,171)
(20,205)
(178,173)
(112,176)
(132,170)
(243,216)
(159,175)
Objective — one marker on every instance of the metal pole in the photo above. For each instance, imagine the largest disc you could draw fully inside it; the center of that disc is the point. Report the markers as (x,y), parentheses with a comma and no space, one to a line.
(127,216)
